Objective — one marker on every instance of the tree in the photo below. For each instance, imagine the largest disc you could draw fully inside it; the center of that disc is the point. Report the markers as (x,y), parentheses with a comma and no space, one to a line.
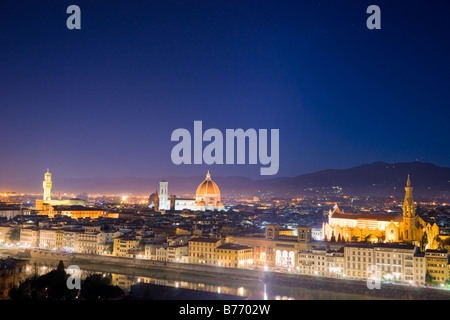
(50,286)
(445,243)
(14,235)
(439,242)
(333,238)
(98,287)
(141,244)
(428,278)
(110,249)
(60,266)
(447,282)
(53,286)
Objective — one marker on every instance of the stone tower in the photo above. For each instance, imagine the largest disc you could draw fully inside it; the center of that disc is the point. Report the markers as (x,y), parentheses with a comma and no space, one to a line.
(409,214)
(47,184)
(164,195)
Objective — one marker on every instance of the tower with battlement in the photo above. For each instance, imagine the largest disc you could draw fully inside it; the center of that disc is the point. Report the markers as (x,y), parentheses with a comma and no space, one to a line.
(47,184)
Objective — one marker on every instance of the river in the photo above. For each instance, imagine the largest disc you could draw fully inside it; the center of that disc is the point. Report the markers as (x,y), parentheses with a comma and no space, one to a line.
(246,288)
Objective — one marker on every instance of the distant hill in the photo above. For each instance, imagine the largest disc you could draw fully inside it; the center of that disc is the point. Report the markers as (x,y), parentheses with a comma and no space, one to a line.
(377,179)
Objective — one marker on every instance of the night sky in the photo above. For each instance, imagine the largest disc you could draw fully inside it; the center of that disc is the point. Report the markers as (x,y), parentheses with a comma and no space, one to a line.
(103,101)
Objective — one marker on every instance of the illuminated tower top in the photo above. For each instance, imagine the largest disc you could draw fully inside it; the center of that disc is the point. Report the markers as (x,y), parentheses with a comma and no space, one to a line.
(47,184)
(409,209)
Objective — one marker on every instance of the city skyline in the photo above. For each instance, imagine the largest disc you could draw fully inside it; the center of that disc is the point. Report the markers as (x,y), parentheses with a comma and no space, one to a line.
(101,102)
(238,151)
(373,249)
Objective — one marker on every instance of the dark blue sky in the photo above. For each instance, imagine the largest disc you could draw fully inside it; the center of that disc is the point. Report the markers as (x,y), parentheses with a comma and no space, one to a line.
(103,101)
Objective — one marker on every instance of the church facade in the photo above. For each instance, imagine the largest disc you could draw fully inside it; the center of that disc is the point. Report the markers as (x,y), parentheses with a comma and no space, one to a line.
(406,227)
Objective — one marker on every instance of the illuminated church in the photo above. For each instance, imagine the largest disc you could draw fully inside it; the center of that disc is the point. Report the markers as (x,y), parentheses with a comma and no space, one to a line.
(207,197)
(406,227)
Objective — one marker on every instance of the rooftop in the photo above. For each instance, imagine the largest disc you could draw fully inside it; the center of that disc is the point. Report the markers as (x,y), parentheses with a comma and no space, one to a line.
(233,246)
(9,263)
(75,208)
(368,216)
(204,239)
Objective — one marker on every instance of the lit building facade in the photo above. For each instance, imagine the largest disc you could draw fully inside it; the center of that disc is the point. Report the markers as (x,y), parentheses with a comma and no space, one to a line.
(79,212)
(274,249)
(29,237)
(47,239)
(5,232)
(202,250)
(398,262)
(230,255)
(86,242)
(322,262)
(178,253)
(213,252)
(11,211)
(407,227)
(123,245)
(437,261)
(69,240)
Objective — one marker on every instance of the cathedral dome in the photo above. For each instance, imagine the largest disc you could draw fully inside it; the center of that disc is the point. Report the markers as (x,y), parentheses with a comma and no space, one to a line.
(208,195)
(208,188)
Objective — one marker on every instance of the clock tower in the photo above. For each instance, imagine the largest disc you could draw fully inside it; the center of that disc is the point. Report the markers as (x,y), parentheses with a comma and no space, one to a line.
(47,184)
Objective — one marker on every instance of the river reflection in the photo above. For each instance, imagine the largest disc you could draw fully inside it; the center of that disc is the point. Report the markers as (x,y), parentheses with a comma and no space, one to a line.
(255,290)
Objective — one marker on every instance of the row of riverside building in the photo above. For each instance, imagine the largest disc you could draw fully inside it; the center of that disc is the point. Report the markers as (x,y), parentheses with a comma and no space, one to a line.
(291,251)
(396,262)
(89,240)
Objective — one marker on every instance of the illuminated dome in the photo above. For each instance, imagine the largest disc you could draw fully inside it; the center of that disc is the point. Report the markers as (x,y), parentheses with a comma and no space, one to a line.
(208,188)
(208,195)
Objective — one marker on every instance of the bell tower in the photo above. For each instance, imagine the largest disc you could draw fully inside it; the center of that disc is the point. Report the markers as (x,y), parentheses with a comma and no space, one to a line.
(164,195)
(47,184)
(409,213)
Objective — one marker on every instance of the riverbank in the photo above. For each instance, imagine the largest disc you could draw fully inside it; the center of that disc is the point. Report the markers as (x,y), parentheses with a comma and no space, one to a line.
(314,287)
